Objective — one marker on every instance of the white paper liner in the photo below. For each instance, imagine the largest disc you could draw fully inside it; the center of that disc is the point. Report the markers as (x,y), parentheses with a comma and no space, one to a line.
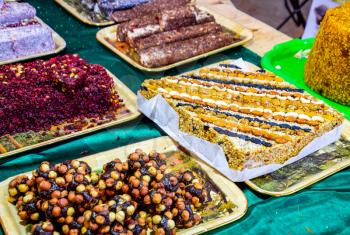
(159,111)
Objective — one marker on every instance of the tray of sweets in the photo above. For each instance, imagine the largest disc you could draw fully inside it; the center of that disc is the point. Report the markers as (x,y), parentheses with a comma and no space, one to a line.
(16,142)
(307,171)
(164,41)
(204,198)
(83,14)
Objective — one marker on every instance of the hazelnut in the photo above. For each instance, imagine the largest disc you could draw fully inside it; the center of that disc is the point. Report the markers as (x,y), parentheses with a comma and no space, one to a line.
(62,169)
(28,198)
(44,167)
(168,202)
(160,231)
(56,194)
(135,183)
(63,202)
(146,178)
(80,219)
(159,177)
(145,158)
(105,229)
(125,188)
(75,164)
(100,219)
(69,178)
(115,175)
(119,185)
(69,219)
(137,174)
(125,166)
(152,170)
(52,174)
(79,199)
(60,181)
(119,167)
(142,214)
(101,184)
(12,192)
(156,198)
(156,219)
(144,191)
(188,195)
(187,177)
(71,196)
(185,215)
(94,177)
(130,210)
(87,215)
(189,224)
(180,205)
(160,208)
(23,188)
(175,211)
(79,178)
(44,185)
(120,216)
(53,201)
(196,218)
(23,215)
(45,206)
(134,157)
(94,193)
(64,193)
(35,216)
(56,211)
(168,214)
(80,188)
(141,221)
(137,165)
(198,186)
(70,211)
(171,224)
(81,170)
(111,216)
(136,193)
(47,226)
(65,229)
(126,197)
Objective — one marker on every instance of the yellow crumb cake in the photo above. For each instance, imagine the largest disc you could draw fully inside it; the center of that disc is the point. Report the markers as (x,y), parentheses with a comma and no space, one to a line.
(327,70)
(254,117)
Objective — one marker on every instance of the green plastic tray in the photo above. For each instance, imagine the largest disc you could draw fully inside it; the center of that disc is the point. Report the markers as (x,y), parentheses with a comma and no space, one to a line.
(282,62)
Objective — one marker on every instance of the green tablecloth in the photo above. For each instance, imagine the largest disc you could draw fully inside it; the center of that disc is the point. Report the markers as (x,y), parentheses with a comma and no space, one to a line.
(323,208)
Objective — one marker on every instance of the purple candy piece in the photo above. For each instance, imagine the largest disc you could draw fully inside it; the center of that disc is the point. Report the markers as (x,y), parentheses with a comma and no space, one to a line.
(14,12)
(24,41)
(1,3)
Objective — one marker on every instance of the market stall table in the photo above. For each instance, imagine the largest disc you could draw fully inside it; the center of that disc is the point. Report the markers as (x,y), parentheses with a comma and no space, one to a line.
(321,208)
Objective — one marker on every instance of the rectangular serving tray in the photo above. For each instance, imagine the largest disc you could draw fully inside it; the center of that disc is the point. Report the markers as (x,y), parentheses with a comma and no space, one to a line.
(108,34)
(81,16)
(59,41)
(11,222)
(129,99)
(326,167)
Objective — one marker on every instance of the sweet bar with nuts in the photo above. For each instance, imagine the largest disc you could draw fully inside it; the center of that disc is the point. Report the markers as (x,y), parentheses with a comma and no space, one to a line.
(255,117)
(136,196)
